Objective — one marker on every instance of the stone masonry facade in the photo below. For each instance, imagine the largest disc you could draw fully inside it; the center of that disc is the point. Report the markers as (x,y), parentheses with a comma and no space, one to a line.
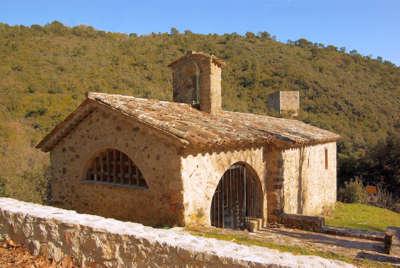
(309,184)
(159,162)
(278,172)
(201,174)
(285,102)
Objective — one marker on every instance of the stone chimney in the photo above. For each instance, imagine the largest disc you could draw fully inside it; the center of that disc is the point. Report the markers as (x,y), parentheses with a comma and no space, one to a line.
(286,103)
(196,79)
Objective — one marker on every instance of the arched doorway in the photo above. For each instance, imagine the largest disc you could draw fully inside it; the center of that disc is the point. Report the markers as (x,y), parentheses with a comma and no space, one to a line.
(238,197)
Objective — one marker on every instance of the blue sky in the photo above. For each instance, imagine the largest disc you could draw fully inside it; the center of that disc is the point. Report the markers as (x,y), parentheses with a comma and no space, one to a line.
(369,26)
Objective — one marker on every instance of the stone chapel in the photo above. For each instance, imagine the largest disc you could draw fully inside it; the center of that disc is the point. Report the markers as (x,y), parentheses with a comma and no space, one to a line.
(189,162)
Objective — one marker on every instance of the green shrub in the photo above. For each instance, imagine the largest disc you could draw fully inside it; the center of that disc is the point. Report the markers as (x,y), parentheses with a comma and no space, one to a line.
(35,112)
(385,199)
(31,185)
(2,188)
(353,192)
(55,91)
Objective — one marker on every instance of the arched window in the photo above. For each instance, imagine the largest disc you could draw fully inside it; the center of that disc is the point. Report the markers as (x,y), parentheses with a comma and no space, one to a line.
(114,167)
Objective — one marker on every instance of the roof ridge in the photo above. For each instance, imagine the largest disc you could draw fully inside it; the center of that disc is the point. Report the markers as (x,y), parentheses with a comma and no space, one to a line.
(92,95)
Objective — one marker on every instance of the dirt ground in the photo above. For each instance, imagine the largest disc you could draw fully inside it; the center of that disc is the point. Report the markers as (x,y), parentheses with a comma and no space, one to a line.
(17,256)
(12,255)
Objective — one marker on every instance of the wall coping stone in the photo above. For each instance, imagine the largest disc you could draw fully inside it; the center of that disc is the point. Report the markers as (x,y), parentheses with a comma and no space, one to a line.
(90,239)
(303,222)
(357,233)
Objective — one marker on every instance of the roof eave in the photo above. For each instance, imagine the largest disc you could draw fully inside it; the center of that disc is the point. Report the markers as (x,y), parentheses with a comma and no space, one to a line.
(312,142)
(48,142)
(44,145)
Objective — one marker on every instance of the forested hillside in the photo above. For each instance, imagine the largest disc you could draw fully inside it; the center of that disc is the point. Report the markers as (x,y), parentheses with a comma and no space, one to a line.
(45,72)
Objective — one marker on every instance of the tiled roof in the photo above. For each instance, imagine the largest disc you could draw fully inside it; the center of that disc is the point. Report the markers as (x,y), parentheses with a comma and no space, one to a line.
(199,129)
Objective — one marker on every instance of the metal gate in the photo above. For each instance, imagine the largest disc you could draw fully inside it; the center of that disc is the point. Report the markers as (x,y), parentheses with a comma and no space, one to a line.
(238,196)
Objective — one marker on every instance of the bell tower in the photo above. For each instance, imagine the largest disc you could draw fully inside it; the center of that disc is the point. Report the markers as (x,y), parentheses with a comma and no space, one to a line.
(197,81)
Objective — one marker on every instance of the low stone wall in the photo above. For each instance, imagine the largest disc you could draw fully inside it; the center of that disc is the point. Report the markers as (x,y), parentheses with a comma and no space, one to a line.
(89,240)
(303,222)
(317,224)
(370,235)
(392,241)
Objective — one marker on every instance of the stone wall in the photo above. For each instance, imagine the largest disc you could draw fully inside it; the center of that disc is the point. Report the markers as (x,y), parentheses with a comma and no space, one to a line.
(211,90)
(294,181)
(351,232)
(274,183)
(303,222)
(160,204)
(186,82)
(290,102)
(197,80)
(89,240)
(201,174)
(309,187)
(285,102)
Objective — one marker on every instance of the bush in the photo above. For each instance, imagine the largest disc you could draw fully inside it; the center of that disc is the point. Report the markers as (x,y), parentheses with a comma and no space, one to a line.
(396,207)
(353,192)
(2,188)
(385,199)
(36,112)
(31,185)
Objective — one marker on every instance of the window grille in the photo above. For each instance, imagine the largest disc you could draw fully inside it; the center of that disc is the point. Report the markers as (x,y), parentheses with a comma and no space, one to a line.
(114,167)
